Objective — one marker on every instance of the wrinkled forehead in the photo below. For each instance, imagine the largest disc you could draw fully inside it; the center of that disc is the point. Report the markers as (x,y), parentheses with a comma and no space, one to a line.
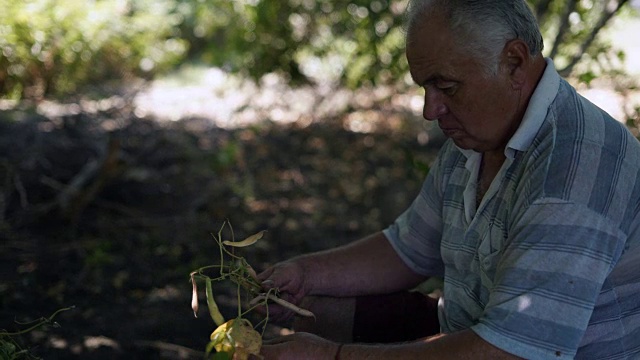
(420,12)
(433,49)
(427,20)
(432,30)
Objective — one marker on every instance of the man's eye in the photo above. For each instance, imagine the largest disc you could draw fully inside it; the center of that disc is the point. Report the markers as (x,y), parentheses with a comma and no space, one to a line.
(447,88)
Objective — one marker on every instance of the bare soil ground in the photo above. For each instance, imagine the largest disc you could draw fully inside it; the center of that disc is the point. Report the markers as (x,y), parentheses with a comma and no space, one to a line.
(109,212)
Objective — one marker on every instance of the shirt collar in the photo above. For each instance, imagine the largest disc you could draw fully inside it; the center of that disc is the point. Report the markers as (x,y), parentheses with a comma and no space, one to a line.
(536,112)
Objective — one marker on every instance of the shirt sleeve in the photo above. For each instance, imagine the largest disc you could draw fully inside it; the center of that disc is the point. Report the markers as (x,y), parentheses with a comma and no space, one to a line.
(548,278)
(416,234)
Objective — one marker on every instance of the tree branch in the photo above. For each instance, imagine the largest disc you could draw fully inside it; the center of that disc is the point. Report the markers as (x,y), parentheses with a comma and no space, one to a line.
(542,9)
(564,25)
(604,19)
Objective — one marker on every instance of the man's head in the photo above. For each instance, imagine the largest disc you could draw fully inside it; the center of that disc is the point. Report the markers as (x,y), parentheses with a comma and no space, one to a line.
(479,62)
(482,26)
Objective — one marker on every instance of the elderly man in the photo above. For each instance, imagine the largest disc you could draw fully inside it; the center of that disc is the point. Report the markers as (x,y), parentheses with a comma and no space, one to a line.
(530,213)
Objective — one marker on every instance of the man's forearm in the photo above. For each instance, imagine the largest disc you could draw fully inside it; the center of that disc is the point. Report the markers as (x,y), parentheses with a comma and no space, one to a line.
(366,266)
(458,346)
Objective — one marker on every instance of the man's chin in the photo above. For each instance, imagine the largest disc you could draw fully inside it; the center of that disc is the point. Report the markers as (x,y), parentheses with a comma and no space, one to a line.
(462,143)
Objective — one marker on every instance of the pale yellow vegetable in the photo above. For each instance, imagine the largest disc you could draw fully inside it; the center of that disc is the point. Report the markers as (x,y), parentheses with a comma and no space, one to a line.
(252,273)
(194,295)
(284,303)
(211,304)
(246,242)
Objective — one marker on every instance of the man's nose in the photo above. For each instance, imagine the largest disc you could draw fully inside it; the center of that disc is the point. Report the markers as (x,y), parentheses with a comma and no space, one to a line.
(434,106)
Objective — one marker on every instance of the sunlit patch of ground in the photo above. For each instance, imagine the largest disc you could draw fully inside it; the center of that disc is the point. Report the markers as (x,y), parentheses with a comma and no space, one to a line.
(231,102)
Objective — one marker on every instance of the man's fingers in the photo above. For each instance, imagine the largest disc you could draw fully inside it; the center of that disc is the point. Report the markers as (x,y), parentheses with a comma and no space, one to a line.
(265,274)
(277,314)
(276,341)
(280,315)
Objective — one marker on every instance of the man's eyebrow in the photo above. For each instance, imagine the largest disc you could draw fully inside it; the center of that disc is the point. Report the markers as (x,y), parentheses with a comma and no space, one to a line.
(433,79)
(430,80)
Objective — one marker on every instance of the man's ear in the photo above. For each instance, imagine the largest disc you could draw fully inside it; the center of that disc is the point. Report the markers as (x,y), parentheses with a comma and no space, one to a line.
(516,59)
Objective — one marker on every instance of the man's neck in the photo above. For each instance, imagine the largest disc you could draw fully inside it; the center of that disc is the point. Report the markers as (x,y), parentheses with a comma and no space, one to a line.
(489,167)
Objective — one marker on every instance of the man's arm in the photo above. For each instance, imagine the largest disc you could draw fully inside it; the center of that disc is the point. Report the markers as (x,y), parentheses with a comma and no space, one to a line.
(367,266)
(461,345)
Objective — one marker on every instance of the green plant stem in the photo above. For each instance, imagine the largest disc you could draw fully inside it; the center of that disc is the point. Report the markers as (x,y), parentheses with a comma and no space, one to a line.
(239,300)
(220,246)
(200,270)
(39,323)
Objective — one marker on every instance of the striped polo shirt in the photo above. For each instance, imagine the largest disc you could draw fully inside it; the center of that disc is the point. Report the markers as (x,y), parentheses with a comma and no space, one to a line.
(548,266)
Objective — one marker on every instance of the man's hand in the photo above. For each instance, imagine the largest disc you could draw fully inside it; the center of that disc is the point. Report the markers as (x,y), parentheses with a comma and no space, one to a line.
(288,278)
(299,346)
(366,266)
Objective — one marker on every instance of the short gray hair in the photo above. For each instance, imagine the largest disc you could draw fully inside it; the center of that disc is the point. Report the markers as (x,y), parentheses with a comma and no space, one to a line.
(483,26)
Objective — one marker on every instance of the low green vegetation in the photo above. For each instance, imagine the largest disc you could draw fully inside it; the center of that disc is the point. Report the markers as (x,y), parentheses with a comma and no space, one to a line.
(10,347)
(56,47)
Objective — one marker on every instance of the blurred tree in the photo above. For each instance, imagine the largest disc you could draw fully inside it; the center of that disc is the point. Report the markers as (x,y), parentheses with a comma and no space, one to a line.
(51,47)
(359,42)
(355,42)
(54,47)
(571,28)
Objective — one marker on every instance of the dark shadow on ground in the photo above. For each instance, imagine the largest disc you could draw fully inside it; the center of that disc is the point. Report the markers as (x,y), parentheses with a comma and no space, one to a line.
(110,213)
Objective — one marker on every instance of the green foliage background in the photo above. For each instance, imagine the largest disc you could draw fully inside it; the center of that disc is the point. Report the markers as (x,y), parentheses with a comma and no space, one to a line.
(59,47)
(55,47)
